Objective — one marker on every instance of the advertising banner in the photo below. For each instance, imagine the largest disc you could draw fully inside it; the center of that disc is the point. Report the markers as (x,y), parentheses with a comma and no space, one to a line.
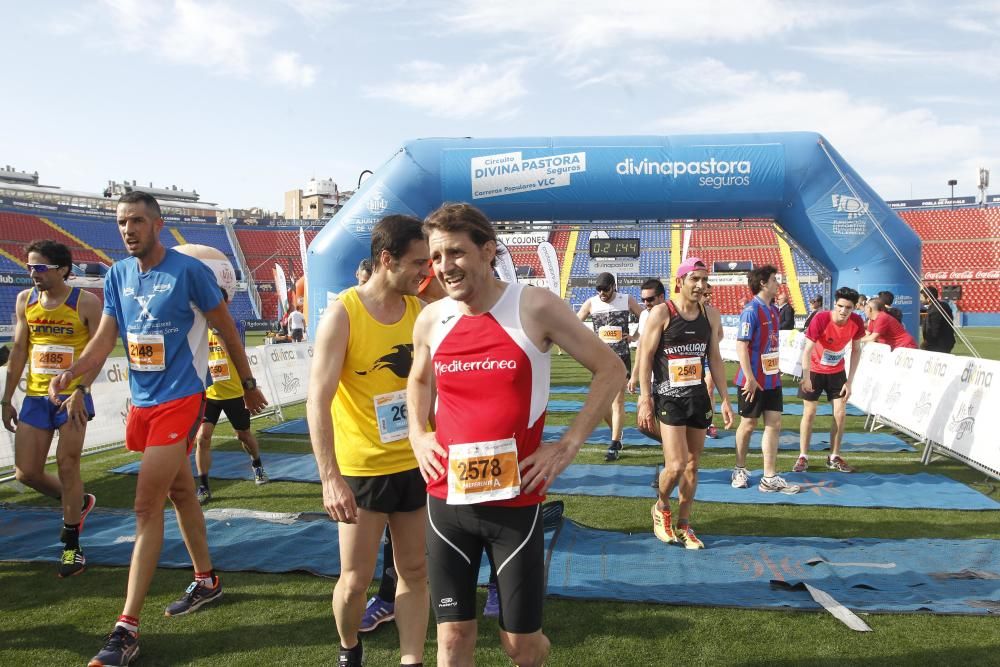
(632,174)
(550,265)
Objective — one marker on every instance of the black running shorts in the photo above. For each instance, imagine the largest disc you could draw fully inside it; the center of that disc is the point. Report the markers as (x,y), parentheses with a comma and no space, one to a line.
(514,539)
(831,383)
(235,409)
(765,400)
(399,492)
(693,411)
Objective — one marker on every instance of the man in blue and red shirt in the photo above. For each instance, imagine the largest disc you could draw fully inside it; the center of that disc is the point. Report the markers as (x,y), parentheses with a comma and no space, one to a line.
(759,381)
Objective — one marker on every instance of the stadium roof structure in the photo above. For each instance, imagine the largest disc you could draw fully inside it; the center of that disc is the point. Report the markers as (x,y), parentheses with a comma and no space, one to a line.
(98,198)
(794,178)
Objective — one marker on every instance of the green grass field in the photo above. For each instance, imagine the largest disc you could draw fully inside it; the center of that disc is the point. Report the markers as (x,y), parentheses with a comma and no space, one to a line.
(286,619)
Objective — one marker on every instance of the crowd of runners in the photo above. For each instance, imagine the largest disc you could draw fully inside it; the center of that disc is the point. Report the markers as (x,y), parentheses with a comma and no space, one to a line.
(426,406)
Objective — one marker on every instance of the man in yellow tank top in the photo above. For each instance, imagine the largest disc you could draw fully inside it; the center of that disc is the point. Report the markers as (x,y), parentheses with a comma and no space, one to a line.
(361,360)
(54,323)
(225,395)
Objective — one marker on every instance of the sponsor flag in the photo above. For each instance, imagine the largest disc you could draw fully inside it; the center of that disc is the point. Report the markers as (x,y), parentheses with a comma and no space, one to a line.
(281,287)
(550,265)
(505,264)
(687,242)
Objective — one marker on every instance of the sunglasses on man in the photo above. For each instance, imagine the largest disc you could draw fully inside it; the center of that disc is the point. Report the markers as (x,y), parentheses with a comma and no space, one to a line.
(603,290)
(648,299)
(42,268)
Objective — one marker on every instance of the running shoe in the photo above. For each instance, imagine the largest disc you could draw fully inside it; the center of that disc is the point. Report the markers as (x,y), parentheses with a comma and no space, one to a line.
(492,607)
(661,525)
(687,537)
(259,476)
(121,647)
(204,495)
(838,464)
(801,465)
(712,432)
(89,500)
(73,562)
(779,485)
(195,597)
(740,478)
(377,612)
(351,657)
(614,451)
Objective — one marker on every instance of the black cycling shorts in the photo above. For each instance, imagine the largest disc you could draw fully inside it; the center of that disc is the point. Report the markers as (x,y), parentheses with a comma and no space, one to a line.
(235,409)
(514,539)
(693,411)
(398,492)
(831,383)
(765,400)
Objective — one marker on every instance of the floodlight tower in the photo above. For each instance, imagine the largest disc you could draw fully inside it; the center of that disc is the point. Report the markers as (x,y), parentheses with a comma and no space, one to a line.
(952,182)
(984,184)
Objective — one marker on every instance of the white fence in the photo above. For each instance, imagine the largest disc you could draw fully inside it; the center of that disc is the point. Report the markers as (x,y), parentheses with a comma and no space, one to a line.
(282,372)
(941,398)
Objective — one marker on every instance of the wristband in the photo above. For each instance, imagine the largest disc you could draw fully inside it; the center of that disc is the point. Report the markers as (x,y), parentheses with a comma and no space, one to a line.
(4,402)
(82,389)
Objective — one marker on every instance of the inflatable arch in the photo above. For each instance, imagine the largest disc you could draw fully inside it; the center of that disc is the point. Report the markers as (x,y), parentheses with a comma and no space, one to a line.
(796,179)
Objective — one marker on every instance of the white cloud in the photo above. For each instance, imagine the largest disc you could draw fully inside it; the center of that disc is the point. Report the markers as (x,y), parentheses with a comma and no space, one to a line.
(576,27)
(224,37)
(478,89)
(215,35)
(982,62)
(896,145)
(318,11)
(287,69)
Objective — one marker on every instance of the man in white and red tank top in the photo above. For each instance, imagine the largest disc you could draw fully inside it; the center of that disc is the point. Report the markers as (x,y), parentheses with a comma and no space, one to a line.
(486,348)
(673,397)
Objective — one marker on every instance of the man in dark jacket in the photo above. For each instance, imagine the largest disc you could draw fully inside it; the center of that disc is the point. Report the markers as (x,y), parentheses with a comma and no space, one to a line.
(937,332)
(786,314)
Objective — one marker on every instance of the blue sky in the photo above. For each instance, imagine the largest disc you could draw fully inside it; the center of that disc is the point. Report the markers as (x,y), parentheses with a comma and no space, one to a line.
(243,100)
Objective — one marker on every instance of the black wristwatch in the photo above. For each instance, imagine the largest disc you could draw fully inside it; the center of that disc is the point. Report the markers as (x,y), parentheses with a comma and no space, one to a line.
(249,384)
(85,390)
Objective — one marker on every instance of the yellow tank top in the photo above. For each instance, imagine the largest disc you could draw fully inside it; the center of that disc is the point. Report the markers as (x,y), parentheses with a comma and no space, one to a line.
(225,382)
(56,338)
(369,409)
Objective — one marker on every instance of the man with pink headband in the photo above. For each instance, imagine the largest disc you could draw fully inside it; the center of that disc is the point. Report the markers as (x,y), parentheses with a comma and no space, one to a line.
(673,395)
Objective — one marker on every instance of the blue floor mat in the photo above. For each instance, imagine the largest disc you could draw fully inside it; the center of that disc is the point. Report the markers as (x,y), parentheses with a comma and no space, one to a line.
(939,576)
(290,427)
(585,389)
(239,540)
(787,441)
(794,409)
(918,491)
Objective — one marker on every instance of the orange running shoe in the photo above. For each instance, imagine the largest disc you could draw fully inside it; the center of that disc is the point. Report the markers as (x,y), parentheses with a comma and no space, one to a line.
(661,525)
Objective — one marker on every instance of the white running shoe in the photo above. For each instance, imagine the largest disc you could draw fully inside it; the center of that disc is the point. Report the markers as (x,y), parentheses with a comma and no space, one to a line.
(778,484)
(741,478)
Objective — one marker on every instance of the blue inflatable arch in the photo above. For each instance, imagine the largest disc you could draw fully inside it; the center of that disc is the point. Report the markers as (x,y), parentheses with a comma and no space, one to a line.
(796,179)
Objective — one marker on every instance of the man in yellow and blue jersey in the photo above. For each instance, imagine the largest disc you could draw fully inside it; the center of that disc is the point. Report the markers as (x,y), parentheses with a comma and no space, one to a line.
(54,323)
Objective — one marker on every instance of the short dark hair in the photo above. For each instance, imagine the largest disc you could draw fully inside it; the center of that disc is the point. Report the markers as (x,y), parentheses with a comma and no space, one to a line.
(136,196)
(759,275)
(365,265)
(605,281)
(55,252)
(877,304)
(818,300)
(394,234)
(461,217)
(886,297)
(933,291)
(846,293)
(655,285)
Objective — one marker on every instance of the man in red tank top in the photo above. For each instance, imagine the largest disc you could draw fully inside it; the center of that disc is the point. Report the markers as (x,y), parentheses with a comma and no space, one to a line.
(486,348)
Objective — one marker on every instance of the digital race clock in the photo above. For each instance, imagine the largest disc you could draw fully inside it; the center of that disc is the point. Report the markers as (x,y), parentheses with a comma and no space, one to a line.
(614,247)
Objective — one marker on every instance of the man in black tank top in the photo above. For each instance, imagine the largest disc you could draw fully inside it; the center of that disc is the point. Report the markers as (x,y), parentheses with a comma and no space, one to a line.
(673,397)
